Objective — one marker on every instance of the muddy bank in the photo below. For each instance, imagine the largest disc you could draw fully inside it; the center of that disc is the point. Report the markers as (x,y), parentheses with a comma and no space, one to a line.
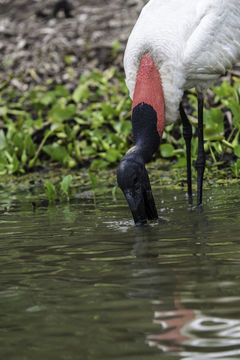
(34,48)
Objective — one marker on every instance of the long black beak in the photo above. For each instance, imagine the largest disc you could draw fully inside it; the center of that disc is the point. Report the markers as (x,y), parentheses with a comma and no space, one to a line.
(141,203)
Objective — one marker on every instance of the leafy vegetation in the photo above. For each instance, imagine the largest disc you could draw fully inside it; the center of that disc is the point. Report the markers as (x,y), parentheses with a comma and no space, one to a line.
(221,130)
(51,190)
(91,126)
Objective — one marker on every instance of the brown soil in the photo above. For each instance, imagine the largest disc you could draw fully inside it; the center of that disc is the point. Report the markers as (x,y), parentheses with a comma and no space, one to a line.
(34,48)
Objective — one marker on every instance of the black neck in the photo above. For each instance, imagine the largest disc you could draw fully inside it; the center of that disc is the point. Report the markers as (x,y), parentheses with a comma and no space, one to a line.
(145,134)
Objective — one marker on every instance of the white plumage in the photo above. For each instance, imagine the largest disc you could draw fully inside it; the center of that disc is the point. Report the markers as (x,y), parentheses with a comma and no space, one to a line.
(192,43)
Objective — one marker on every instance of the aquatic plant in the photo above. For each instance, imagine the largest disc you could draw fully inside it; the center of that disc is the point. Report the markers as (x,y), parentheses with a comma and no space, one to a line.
(221,129)
(90,126)
(48,123)
(62,191)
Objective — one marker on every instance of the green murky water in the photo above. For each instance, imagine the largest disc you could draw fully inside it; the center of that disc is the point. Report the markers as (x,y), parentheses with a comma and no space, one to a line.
(81,282)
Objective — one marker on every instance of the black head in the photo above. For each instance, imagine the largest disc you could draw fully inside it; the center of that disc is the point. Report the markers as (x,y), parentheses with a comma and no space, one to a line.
(133,179)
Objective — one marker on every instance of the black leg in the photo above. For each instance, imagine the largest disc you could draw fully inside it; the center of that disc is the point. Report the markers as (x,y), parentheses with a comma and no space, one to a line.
(187,134)
(200,163)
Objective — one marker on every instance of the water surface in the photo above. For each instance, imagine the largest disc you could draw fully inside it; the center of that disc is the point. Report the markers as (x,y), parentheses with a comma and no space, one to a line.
(79,281)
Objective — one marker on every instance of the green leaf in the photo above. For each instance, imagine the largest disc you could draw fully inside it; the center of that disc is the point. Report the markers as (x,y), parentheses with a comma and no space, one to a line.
(88,151)
(99,164)
(29,146)
(96,76)
(48,98)
(237,150)
(14,166)
(108,111)
(112,155)
(18,142)
(236,167)
(169,128)
(223,91)
(65,184)
(17,112)
(23,157)
(3,160)
(60,113)
(50,191)
(3,141)
(212,134)
(235,109)
(213,118)
(167,150)
(57,152)
(181,163)
(3,110)
(93,179)
(81,93)
(60,90)
(214,125)
(218,147)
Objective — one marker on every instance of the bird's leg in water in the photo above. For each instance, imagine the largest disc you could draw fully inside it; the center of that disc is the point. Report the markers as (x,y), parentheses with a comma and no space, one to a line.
(200,163)
(187,134)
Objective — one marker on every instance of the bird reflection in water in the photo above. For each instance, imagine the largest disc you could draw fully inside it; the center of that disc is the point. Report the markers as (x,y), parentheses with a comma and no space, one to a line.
(173,323)
(192,334)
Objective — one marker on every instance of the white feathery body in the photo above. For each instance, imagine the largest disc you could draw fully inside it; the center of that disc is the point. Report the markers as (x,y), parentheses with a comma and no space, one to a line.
(192,43)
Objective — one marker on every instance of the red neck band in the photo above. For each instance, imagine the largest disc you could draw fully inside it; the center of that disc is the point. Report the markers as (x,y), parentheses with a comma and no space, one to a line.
(149,90)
